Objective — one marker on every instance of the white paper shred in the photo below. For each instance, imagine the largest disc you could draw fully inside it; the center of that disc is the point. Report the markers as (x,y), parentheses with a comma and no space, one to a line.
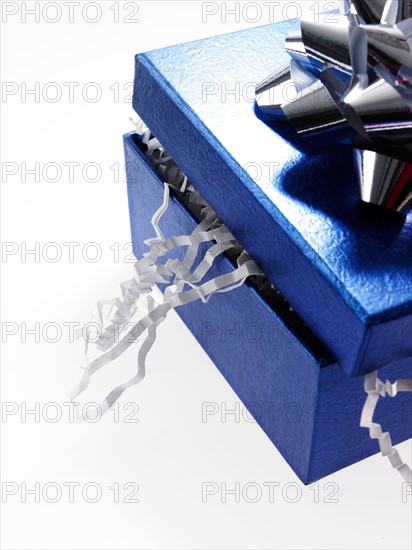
(375,389)
(185,284)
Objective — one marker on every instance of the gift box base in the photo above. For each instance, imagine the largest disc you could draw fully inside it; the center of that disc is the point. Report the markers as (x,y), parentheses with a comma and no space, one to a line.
(304,402)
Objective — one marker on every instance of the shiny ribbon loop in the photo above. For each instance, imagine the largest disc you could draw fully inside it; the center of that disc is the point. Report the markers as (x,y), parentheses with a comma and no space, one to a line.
(353,75)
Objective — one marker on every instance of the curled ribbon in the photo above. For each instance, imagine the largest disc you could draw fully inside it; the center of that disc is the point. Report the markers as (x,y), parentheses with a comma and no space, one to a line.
(353,75)
(375,389)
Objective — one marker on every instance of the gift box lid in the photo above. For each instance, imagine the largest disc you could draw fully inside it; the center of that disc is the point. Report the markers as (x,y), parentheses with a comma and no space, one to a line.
(344,266)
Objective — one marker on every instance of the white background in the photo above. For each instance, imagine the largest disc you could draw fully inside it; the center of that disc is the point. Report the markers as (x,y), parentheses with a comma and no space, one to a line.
(170,452)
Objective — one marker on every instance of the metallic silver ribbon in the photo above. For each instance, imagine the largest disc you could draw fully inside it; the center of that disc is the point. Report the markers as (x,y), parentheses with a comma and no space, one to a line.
(353,77)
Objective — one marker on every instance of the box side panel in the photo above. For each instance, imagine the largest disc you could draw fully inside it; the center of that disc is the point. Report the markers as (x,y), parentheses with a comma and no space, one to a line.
(397,336)
(264,364)
(337,429)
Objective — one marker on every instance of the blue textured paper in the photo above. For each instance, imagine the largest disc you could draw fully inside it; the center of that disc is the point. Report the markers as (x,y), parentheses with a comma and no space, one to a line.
(306,404)
(343,265)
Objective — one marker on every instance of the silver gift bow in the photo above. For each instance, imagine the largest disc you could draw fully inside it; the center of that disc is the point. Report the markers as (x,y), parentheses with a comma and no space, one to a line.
(353,77)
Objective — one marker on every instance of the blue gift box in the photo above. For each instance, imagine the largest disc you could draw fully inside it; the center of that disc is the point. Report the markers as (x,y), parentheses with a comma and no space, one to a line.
(346,268)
